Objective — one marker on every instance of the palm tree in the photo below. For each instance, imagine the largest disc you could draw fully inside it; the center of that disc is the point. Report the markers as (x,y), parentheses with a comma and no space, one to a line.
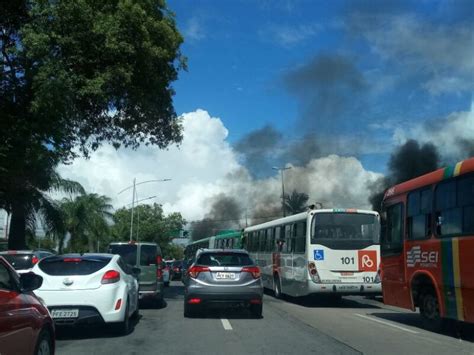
(86,219)
(296,202)
(28,200)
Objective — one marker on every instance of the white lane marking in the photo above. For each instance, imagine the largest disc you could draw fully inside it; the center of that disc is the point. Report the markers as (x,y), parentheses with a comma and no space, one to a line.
(386,323)
(226,324)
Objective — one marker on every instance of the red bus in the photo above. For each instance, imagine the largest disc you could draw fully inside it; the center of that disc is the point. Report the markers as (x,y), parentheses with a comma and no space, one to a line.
(427,245)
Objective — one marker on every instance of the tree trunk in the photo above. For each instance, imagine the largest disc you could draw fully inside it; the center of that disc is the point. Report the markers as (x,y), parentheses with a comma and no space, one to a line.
(90,240)
(17,237)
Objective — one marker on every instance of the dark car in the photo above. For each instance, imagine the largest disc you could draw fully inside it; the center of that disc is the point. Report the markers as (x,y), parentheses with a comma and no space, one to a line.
(25,324)
(224,278)
(24,260)
(177,269)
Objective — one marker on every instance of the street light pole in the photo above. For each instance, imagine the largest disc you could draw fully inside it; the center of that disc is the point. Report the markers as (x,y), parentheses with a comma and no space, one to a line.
(282,187)
(134,186)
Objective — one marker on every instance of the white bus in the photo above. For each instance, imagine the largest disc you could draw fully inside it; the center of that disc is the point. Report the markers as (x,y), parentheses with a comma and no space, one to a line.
(332,251)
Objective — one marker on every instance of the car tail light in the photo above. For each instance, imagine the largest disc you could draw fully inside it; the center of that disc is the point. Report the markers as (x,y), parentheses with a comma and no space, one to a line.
(110,277)
(194,300)
(159,260)
(159,273)
(72,260)
(34,260)
(254,270)
(313,272)
(196,270)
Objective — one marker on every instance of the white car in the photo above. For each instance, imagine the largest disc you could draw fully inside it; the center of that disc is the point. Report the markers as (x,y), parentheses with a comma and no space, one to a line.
(89,288)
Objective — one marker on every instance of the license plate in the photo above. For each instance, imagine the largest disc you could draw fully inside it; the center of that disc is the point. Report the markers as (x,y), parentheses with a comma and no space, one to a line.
(225,275)
(65,313)
(347,287)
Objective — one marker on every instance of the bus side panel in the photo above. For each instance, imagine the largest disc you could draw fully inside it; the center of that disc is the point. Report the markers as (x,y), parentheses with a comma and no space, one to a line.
(394,286)
(466,273)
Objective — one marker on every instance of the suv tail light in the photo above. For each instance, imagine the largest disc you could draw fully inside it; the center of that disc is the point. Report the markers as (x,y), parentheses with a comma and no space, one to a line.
(110,277)
(34,260)
(254,270)
(159,260)
(196,270)
(313,272)
(159,273)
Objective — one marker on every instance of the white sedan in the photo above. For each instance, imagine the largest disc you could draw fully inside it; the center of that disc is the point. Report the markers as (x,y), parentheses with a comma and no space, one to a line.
(89,288)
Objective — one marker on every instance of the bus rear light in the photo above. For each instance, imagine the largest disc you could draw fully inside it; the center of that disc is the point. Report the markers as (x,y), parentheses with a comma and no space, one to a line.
(313,272)
(254,270)
(196,270)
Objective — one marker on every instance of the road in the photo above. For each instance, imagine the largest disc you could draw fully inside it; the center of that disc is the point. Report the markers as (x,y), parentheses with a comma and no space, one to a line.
(353,326)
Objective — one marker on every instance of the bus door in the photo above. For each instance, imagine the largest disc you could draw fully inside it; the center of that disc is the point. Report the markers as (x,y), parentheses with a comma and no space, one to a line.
(394,284)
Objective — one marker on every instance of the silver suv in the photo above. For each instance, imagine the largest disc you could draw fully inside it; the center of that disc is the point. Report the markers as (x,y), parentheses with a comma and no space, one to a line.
(227,277)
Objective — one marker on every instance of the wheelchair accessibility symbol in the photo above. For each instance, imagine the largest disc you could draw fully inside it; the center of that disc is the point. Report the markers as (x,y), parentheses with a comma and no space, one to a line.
(319,255)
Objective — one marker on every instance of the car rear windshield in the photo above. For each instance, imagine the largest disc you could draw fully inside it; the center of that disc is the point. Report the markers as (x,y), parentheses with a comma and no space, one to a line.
(128,252)
(19,261)
(224,259)
(62,266)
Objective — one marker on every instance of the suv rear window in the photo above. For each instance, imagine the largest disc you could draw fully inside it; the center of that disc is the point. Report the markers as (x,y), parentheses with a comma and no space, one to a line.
(148,254)
(128,252)
(66,266)
(19,261)
(224,259)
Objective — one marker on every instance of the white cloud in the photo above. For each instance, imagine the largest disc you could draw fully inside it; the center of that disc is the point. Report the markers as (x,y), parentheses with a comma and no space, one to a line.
(194,29)
(205,166)
(447,134)
(288,36)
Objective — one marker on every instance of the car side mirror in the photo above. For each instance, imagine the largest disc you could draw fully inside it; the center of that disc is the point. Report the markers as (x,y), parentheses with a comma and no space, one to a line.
(30,282)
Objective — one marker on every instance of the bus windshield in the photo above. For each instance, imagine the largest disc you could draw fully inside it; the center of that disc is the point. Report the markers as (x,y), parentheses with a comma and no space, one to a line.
(345,230)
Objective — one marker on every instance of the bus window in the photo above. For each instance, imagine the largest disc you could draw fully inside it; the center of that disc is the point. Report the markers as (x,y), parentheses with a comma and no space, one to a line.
(300,237)
(419,214)
(262,240)
(466,201)
(448,214)
(393,237)
(270,239)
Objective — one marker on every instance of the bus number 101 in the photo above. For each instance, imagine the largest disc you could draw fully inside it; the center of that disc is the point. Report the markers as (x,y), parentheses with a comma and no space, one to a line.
(347,260)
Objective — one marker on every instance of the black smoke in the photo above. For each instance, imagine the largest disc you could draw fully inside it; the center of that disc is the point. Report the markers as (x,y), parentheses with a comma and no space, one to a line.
(407,162)
(225,214)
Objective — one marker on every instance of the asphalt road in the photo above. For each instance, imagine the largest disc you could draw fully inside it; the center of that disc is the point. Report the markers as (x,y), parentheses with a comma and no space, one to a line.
(293,326)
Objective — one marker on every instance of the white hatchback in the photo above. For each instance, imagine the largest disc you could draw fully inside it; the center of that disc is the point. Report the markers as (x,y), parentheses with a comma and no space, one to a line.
(89,288)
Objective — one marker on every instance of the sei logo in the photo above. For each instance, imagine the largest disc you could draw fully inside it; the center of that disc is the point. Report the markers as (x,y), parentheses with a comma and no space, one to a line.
(367,260)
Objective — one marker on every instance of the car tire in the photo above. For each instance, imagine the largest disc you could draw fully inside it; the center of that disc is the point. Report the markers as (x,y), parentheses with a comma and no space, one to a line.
(159,301)
(44,345)
(277,287)
(256,310)
(429,310)
(136,314)
(189,311)
(123,328)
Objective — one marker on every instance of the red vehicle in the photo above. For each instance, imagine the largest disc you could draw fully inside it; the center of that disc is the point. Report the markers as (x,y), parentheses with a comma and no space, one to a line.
(25,324)
(427,245)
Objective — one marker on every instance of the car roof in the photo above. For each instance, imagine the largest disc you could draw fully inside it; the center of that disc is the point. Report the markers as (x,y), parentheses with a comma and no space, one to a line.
(227,251)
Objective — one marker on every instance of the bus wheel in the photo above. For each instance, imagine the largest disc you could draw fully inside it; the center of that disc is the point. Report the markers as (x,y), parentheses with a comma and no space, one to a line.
(429,310)
(277,287)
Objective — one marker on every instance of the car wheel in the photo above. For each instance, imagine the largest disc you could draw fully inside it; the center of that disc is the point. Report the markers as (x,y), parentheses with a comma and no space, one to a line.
(44,344)
(159,301)
(123,328)
(136,314)
(277,287)
(256,310)
(189,311)
(429,310)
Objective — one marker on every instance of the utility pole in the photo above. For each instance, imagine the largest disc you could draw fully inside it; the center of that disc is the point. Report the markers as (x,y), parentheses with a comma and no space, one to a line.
(133,205)
(282,188)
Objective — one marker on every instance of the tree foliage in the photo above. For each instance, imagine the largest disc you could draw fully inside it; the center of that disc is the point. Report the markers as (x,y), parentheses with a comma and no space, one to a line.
(150,224)
(78,74)
(296,202)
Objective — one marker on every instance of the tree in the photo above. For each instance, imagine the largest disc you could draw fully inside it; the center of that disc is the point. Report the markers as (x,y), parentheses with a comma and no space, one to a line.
(296,202)
(150,224)
(78,74)
(86,219)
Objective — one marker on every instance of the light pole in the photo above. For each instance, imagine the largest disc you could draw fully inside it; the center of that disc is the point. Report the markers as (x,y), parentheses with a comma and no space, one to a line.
(282,187)
(134,186)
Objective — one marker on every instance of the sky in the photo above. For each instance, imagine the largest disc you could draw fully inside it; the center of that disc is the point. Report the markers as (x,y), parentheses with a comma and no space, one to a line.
(328,88)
